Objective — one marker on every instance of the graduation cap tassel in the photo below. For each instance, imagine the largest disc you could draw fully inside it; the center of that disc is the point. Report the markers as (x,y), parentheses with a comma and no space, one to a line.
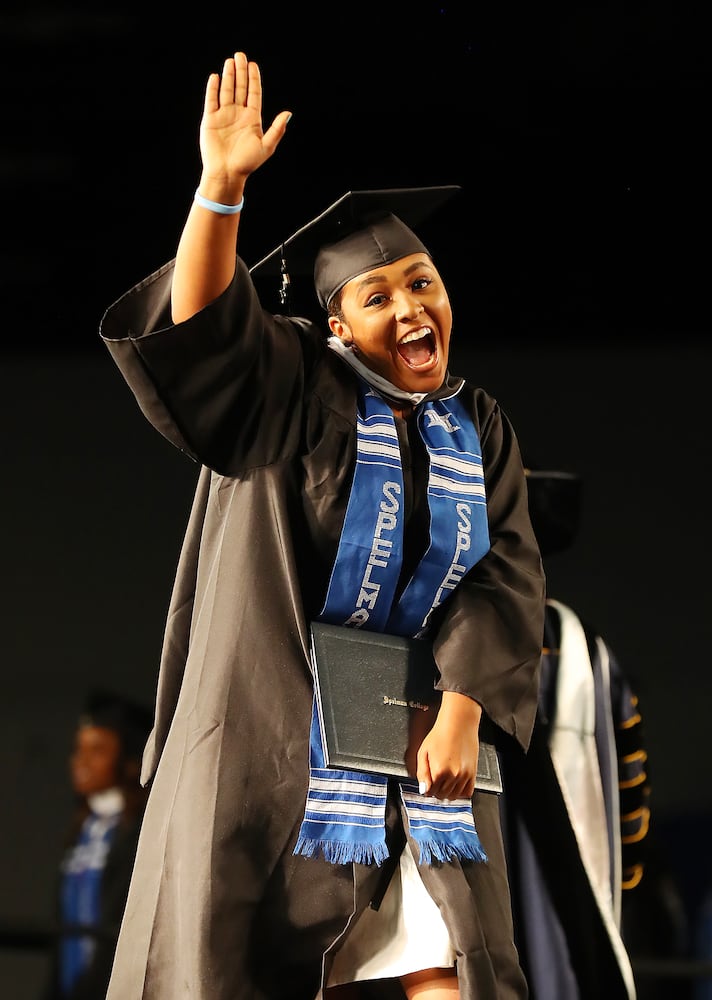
(284,287)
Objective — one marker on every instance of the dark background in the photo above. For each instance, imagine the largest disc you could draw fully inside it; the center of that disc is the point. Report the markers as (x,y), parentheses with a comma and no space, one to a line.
(579,132)
(578,261)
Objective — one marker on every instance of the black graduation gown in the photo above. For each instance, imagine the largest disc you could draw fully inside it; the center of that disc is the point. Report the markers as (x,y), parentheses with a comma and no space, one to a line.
(219,908)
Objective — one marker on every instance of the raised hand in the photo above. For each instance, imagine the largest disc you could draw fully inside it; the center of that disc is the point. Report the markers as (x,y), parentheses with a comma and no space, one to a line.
(232,145)
(232,141)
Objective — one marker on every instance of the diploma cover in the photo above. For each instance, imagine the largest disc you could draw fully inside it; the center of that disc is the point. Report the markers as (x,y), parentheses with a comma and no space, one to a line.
(376,696)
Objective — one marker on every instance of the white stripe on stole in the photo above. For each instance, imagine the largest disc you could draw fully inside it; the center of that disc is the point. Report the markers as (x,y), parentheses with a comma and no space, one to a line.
(456,487)
(377,424)
(457,814)
(431,808)
(443,820)
(368,824)
(457,476)
(339,805)
(379,448)
(371,442)
(458,463)
(365,787)
(374,427)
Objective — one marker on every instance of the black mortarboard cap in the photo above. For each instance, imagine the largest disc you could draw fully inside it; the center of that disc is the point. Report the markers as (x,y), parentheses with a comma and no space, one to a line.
(131,720)
(359,231)
(554,508)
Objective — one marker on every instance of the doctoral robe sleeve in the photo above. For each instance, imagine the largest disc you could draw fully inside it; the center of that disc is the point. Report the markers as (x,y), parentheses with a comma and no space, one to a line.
(488,645)
(206,383)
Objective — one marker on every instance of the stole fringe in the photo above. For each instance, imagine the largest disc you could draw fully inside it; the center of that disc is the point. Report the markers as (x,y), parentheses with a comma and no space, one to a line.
(339,853)
(435,850)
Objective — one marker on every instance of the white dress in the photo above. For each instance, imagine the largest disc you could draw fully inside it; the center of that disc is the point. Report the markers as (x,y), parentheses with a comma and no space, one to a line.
(405,934)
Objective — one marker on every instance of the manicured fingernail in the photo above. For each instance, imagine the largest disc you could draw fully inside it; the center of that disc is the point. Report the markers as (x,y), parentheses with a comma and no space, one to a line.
(422,787)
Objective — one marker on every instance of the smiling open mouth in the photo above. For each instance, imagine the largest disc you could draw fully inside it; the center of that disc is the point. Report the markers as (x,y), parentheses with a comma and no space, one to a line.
(418,348)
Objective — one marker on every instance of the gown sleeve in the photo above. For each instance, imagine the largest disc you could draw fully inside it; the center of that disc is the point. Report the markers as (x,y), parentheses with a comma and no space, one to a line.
(488,645)
(204,384)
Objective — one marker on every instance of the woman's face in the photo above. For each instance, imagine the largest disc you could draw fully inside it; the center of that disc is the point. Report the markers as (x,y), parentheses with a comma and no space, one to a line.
(398,319)
(94,762)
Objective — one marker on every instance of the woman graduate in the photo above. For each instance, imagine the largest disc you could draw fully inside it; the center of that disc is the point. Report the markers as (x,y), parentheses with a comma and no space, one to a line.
(259,872)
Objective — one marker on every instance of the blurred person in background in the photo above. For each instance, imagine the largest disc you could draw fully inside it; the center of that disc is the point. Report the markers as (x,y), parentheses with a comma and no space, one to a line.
(578,804)
(104,767)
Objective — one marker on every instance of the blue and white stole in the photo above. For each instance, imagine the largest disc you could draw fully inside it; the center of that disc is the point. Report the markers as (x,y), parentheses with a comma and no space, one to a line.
(345,811)
(82,873)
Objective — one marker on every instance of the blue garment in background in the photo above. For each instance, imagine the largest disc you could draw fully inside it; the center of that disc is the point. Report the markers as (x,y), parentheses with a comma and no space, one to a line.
(82,872)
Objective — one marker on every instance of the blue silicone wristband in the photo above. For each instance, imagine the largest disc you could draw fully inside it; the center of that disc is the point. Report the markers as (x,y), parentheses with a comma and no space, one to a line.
(215,206)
